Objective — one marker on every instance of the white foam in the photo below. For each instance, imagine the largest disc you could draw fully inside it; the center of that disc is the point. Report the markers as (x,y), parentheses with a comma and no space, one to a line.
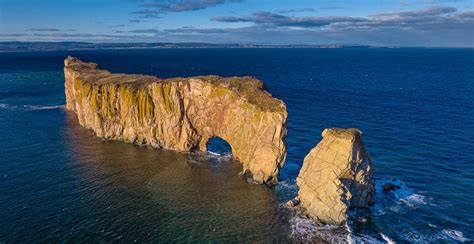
(36,107)
(213,153)
(307,230)
(397,199)
(455,235)
(4,106)
(387,239)
(288,185)
(414,200)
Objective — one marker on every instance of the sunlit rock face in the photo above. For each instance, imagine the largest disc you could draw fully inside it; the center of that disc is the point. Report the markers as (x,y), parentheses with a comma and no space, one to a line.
(336,175)
(181,114)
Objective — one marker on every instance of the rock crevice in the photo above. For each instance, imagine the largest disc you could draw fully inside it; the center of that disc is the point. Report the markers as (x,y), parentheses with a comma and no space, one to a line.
(181,114)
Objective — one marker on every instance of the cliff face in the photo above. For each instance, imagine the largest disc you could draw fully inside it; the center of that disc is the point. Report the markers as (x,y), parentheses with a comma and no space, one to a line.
(336,175)
(181,113)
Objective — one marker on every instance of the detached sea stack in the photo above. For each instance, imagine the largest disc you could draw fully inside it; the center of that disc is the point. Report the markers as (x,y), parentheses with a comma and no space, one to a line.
(181,114)
(336,175)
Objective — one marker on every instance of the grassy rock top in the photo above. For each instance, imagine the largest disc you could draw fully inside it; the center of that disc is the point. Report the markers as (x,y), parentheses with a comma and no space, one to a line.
(249,88)
(348,134)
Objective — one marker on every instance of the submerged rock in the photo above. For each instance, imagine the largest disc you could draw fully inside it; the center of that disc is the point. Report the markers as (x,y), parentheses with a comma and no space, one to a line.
(336,175)
(390,187)
(181,114)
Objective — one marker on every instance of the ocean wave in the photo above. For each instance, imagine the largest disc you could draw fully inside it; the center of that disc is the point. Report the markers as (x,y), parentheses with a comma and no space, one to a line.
(287,190)
(209,158)
(308,230)
(455,235)
(289,185)
(4,106)
(400,201)
(214,153)
(397,200)
(387,239)
(37,107)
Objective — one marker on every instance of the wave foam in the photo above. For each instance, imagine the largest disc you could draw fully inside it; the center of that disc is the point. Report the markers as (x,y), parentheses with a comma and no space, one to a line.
(387,239)
(36,107)
(4,106)
(396,200)
(455,235)
(308,230)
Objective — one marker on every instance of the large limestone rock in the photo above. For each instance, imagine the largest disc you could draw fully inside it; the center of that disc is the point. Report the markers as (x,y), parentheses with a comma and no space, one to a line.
(336,175)
(181,113)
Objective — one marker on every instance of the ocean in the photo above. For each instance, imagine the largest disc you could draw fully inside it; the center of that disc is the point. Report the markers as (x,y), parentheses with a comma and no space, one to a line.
(415,107)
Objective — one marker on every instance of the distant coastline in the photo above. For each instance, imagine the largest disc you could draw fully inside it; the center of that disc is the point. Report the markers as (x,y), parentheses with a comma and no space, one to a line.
(17,46)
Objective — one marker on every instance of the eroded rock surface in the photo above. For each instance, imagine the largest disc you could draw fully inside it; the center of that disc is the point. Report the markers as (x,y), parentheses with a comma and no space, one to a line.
(181,113)
(336,175)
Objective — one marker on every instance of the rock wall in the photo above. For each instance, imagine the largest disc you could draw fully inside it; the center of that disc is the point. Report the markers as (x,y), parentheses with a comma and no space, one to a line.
(336,175)
(181,113)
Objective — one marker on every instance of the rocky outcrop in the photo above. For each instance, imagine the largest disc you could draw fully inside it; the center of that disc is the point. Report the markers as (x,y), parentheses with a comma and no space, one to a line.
(336,175)
(181,113)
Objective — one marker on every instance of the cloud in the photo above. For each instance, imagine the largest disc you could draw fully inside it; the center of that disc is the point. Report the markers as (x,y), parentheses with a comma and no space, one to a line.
(332,7)
(274,19)
(49,29)
(295,10)
(421,19)
(64,36)
(147,14)
(184,5)
(116,26)
(431,26)
(141,31)
(430,11)
(13,34)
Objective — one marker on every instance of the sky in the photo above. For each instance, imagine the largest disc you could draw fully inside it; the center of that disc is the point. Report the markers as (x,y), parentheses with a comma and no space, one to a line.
(437,23)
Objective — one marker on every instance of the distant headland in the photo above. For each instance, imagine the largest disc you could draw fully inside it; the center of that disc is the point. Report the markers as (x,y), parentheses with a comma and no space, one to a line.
(16,46)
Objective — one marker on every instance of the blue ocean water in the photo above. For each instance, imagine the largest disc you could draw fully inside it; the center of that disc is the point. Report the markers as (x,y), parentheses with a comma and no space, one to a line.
(415,106)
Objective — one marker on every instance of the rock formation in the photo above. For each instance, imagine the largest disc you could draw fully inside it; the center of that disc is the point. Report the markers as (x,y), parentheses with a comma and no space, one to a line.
(336,175)
(181,113)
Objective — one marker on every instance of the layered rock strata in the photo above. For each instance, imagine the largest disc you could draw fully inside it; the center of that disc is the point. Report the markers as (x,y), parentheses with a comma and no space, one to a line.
(336,175)
(181,114)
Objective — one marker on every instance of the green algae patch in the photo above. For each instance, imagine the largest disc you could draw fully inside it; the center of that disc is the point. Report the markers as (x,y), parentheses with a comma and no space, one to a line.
(108,97)
(137,101)
(219,91)
(162,92)
(144,104)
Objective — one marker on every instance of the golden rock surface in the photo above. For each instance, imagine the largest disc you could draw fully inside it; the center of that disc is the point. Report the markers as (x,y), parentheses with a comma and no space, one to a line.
(181,114)
(336,175)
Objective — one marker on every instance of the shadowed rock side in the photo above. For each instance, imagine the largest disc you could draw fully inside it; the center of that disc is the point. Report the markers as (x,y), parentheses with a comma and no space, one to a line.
(336,175)
(181,114)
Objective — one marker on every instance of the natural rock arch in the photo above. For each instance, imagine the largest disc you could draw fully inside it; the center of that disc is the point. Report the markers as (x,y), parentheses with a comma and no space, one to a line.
(181,113)
(215,142)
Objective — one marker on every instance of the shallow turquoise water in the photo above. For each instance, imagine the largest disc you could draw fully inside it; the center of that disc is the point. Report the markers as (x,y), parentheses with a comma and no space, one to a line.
(59,182)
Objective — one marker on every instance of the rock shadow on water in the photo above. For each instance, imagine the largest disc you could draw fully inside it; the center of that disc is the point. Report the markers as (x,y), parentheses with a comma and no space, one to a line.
(148,194)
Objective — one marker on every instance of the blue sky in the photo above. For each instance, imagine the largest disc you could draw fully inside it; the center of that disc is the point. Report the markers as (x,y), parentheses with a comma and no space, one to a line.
(369,22)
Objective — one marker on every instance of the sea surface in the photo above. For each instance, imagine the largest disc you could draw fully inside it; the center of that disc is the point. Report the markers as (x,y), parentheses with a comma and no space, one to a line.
(415,106)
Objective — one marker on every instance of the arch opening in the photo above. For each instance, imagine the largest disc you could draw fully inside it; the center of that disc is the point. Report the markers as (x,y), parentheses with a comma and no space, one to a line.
(219,146)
